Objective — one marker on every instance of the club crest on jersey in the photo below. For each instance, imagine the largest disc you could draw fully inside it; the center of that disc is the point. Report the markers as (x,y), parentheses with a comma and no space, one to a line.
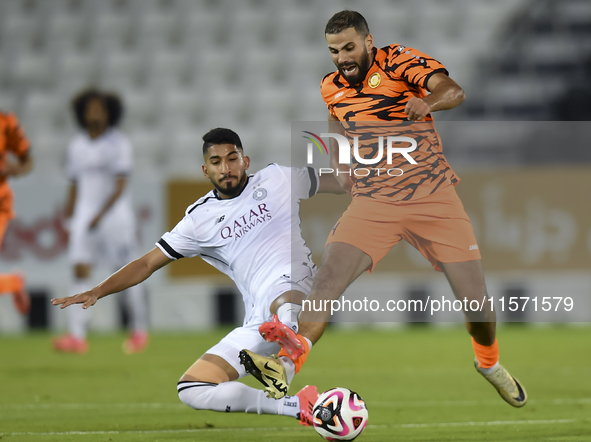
(259,194)
(374,80)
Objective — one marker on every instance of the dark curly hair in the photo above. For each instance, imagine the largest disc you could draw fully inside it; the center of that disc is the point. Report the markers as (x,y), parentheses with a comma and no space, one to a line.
(112,102)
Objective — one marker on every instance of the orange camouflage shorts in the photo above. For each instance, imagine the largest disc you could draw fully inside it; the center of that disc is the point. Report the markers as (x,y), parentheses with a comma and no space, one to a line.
(436,225)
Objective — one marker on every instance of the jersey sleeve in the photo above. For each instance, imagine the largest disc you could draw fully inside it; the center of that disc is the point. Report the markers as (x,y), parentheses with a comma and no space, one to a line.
(304,181)
(123,160)
(180,242)
(413,66)
(17,142)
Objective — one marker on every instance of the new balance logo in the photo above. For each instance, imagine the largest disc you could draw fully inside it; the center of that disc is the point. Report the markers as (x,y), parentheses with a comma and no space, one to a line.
(473,247)
(220,219)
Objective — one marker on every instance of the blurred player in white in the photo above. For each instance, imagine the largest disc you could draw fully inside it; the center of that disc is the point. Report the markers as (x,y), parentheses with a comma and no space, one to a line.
(248,227)
(100,213)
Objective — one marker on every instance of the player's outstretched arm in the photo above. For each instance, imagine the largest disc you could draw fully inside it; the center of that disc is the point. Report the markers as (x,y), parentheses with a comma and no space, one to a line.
(445,94)
(128,276)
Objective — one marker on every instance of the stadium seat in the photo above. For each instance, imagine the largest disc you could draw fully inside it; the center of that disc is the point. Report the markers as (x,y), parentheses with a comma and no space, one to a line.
(141,107)
(168,69)
(8,102)
(182,108)
(112,26)
(32,69)
(149,147)
(121,66)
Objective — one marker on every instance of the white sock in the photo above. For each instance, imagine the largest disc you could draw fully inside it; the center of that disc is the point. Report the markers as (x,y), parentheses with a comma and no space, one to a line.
(288,314)
(138,311)
(289,368)
(78,317)
(488,370)
(309,343)
(235,396)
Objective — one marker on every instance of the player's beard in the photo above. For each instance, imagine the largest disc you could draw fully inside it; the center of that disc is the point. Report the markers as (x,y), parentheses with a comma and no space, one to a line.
(234,190)
(362,69)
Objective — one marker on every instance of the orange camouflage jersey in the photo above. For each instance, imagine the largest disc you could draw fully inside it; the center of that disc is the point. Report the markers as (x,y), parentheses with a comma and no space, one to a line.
(12,140)
(375,108)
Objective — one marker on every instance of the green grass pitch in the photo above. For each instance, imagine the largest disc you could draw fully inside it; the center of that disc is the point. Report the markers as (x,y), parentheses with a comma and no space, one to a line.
(418,382)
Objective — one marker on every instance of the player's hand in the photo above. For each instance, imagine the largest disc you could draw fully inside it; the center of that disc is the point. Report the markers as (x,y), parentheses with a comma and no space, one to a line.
(417,109)
(345,180)
(87,299)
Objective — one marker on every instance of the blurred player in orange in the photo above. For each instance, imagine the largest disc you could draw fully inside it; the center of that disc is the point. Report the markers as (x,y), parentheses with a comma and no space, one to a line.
(100,213)
(418,203)
(15,160)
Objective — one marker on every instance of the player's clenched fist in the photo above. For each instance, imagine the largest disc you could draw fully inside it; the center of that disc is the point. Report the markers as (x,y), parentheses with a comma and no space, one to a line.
(88,299)
(417,109)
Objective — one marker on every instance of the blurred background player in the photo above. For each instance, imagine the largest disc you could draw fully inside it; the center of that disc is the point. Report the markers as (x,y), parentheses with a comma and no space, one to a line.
(420,206)
(248,228)
(15,160)
(99,212)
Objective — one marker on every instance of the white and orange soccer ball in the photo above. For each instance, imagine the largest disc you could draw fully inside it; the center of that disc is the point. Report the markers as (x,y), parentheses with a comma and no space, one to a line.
(339,414)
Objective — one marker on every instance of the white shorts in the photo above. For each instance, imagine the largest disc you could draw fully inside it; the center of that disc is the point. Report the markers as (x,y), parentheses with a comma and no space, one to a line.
(248,337)
(242,338)
(301,278)
(114,240)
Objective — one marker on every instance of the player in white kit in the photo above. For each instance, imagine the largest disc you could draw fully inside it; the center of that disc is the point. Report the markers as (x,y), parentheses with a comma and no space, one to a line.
(248,227)
(100,213)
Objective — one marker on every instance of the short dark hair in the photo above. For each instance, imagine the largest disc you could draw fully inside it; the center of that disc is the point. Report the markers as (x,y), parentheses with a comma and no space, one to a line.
(220,135)
(112,102)
(347,19)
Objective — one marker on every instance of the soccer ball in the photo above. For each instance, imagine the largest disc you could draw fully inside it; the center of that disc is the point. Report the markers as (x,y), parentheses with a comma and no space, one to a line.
(339,414)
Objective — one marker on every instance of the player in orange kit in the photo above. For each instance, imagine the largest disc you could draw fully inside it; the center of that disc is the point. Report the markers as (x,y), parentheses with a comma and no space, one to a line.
(14,161)
(382,92)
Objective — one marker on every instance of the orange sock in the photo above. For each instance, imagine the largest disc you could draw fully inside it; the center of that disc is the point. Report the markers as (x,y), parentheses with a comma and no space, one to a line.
(298,362)
(486,355)
(9,284)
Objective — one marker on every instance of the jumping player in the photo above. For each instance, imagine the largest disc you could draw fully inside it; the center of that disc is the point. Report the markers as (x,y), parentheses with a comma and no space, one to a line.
(15,160)
(420,205)
(99,212)
(248,228)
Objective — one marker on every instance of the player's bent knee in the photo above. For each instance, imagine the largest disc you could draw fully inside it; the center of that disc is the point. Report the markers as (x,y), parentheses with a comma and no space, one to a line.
(291,297)
(211,369)
(195,394)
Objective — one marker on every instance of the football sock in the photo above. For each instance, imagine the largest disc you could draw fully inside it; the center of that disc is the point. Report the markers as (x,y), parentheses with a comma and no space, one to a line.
(9,283)
(78,317)
(138,313)
(298,362)
(235,396)
(288,314)
(486,355)
(289,368)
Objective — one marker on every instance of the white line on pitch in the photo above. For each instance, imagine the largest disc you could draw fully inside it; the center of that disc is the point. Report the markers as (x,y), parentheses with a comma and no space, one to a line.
(159,405)
(201,430)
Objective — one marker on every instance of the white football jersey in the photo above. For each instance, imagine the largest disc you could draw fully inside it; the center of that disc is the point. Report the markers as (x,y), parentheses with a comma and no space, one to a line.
(255,238)
(95,165)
